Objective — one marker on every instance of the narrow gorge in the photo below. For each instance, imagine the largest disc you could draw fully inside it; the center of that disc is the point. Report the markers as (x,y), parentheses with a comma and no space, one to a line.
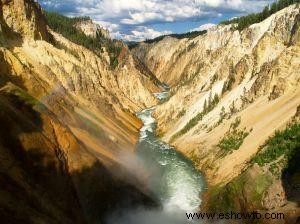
(231,91)
(175,183)
(95,131)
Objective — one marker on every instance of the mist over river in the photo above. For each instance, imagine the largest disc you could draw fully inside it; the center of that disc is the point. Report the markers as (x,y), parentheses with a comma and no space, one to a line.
(173,179)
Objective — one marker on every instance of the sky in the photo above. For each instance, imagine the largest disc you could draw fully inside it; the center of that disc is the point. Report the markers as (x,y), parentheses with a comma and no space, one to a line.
(137,20)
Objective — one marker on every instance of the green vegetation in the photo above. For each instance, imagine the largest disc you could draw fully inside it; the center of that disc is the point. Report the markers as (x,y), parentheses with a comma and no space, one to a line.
(66,27)
(188,76)
(223,115)
(245,21)
(187,79)
(160,134)
(208,106)
(276,167)
(235,197)
(181,113)
(194,157)
(185,50)
(228,83)
(28,99)
(2,39)
(22,95)
(283,143)
(191,46)
(214,79)
(189,35)
(280,154)
(114,51)
(233,139)
(65,48)
(236,123)
(232,108)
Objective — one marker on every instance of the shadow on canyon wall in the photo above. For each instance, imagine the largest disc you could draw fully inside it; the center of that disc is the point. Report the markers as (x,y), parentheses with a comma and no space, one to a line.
(5,68)
(291,178)
(36,185)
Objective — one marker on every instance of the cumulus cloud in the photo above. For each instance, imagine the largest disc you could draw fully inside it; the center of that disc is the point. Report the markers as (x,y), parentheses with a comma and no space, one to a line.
(125,16)
(141,33)
(204,27)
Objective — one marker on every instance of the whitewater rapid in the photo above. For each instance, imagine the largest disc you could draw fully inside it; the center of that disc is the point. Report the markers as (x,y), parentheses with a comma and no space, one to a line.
(177,184)
(173,179)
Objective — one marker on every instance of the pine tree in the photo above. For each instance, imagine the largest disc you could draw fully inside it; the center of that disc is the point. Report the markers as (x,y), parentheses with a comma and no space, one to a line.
(209,98)
(216,99)
(205,107)
(223,113)
(232,108)
(265,13)
(246,21)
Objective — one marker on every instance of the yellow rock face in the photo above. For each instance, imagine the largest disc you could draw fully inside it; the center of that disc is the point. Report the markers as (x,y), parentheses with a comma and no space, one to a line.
(24,17)
(65,117)
(262,65)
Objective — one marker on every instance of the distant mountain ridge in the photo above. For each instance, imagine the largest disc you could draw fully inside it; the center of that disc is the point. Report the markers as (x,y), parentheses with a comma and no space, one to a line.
(239,23)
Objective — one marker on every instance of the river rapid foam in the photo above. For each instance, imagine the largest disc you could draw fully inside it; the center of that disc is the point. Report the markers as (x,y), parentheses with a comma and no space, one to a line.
(173,179)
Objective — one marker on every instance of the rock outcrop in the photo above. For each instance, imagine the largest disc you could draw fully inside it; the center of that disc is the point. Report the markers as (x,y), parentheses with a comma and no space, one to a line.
(25,18)
(91,29)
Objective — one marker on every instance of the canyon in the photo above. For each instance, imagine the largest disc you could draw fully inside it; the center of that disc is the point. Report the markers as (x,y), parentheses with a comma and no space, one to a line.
(72,130)
(231,87)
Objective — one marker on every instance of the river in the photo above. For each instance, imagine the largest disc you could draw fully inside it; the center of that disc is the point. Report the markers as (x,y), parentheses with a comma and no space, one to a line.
(173,179)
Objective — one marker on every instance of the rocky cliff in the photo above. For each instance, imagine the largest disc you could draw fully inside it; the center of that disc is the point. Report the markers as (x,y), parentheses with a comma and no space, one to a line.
(66,117)
(231,90)
(24,18)
(92,29)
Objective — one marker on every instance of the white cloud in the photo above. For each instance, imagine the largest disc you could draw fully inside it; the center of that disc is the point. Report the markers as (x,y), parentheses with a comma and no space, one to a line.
(126,16)
(214,3)
(142,33)
(140,18)
(204,27)
(112,27)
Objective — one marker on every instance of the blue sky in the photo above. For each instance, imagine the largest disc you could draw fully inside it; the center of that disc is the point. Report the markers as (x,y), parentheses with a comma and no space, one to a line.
(137,20)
